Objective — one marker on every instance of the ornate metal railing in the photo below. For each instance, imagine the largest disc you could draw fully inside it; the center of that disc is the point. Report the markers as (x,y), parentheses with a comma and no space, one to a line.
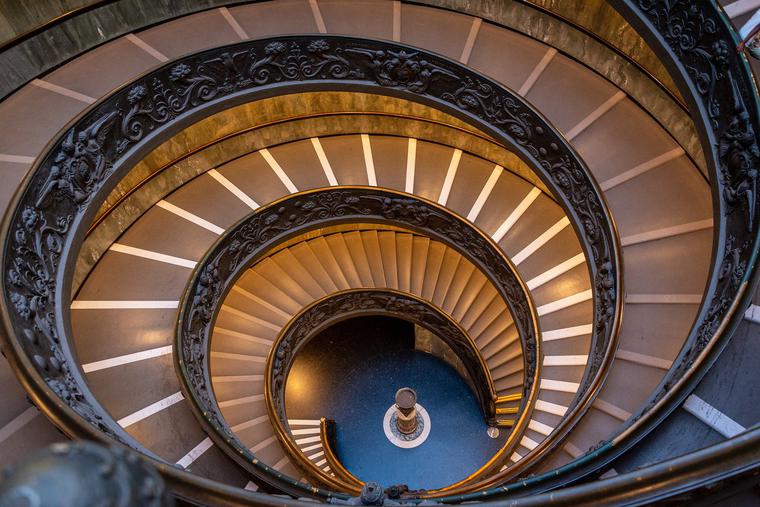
(697,42)
(56,203)
(351,303)
(254,237)
(38,237)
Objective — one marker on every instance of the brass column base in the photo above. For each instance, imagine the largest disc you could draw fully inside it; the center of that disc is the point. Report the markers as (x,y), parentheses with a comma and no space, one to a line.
(406,424)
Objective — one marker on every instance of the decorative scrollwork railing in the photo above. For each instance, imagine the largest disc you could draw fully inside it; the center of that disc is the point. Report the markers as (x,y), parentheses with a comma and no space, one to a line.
(255,236)
(343,305)
(351,303)
(697,42)
(39,235)
(42,233)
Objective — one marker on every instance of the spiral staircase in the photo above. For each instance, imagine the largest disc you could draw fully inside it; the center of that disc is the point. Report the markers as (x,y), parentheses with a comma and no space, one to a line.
(564,193)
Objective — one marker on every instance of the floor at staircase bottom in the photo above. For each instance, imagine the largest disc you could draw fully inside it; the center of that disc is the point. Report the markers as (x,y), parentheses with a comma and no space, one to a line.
(351,375)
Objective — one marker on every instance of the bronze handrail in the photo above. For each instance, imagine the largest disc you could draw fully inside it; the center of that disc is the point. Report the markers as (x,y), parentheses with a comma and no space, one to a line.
(55,203)
(289,217)
(327,434)
(99,219)
(697,42)
(724,318)
(372,301)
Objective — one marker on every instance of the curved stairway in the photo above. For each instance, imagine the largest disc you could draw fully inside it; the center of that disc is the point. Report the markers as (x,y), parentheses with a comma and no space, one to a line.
(193,211)
(277,288)
(123,324)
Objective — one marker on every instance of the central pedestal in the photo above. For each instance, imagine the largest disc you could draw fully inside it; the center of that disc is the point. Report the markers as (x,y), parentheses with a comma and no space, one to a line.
(406,423)
(406,414)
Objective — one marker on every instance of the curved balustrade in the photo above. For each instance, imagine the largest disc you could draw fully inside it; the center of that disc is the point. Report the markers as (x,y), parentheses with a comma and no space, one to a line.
(352,303)
(355,302)
(327,435)
(694,477)
(254,237)
(696,42)
(58,199)
(65,187)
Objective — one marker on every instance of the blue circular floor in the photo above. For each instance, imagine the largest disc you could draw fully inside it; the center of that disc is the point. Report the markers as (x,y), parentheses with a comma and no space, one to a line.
(351,374)
(457,445)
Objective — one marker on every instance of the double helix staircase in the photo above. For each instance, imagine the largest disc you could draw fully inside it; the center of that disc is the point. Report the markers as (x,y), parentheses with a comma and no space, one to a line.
(620,112)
